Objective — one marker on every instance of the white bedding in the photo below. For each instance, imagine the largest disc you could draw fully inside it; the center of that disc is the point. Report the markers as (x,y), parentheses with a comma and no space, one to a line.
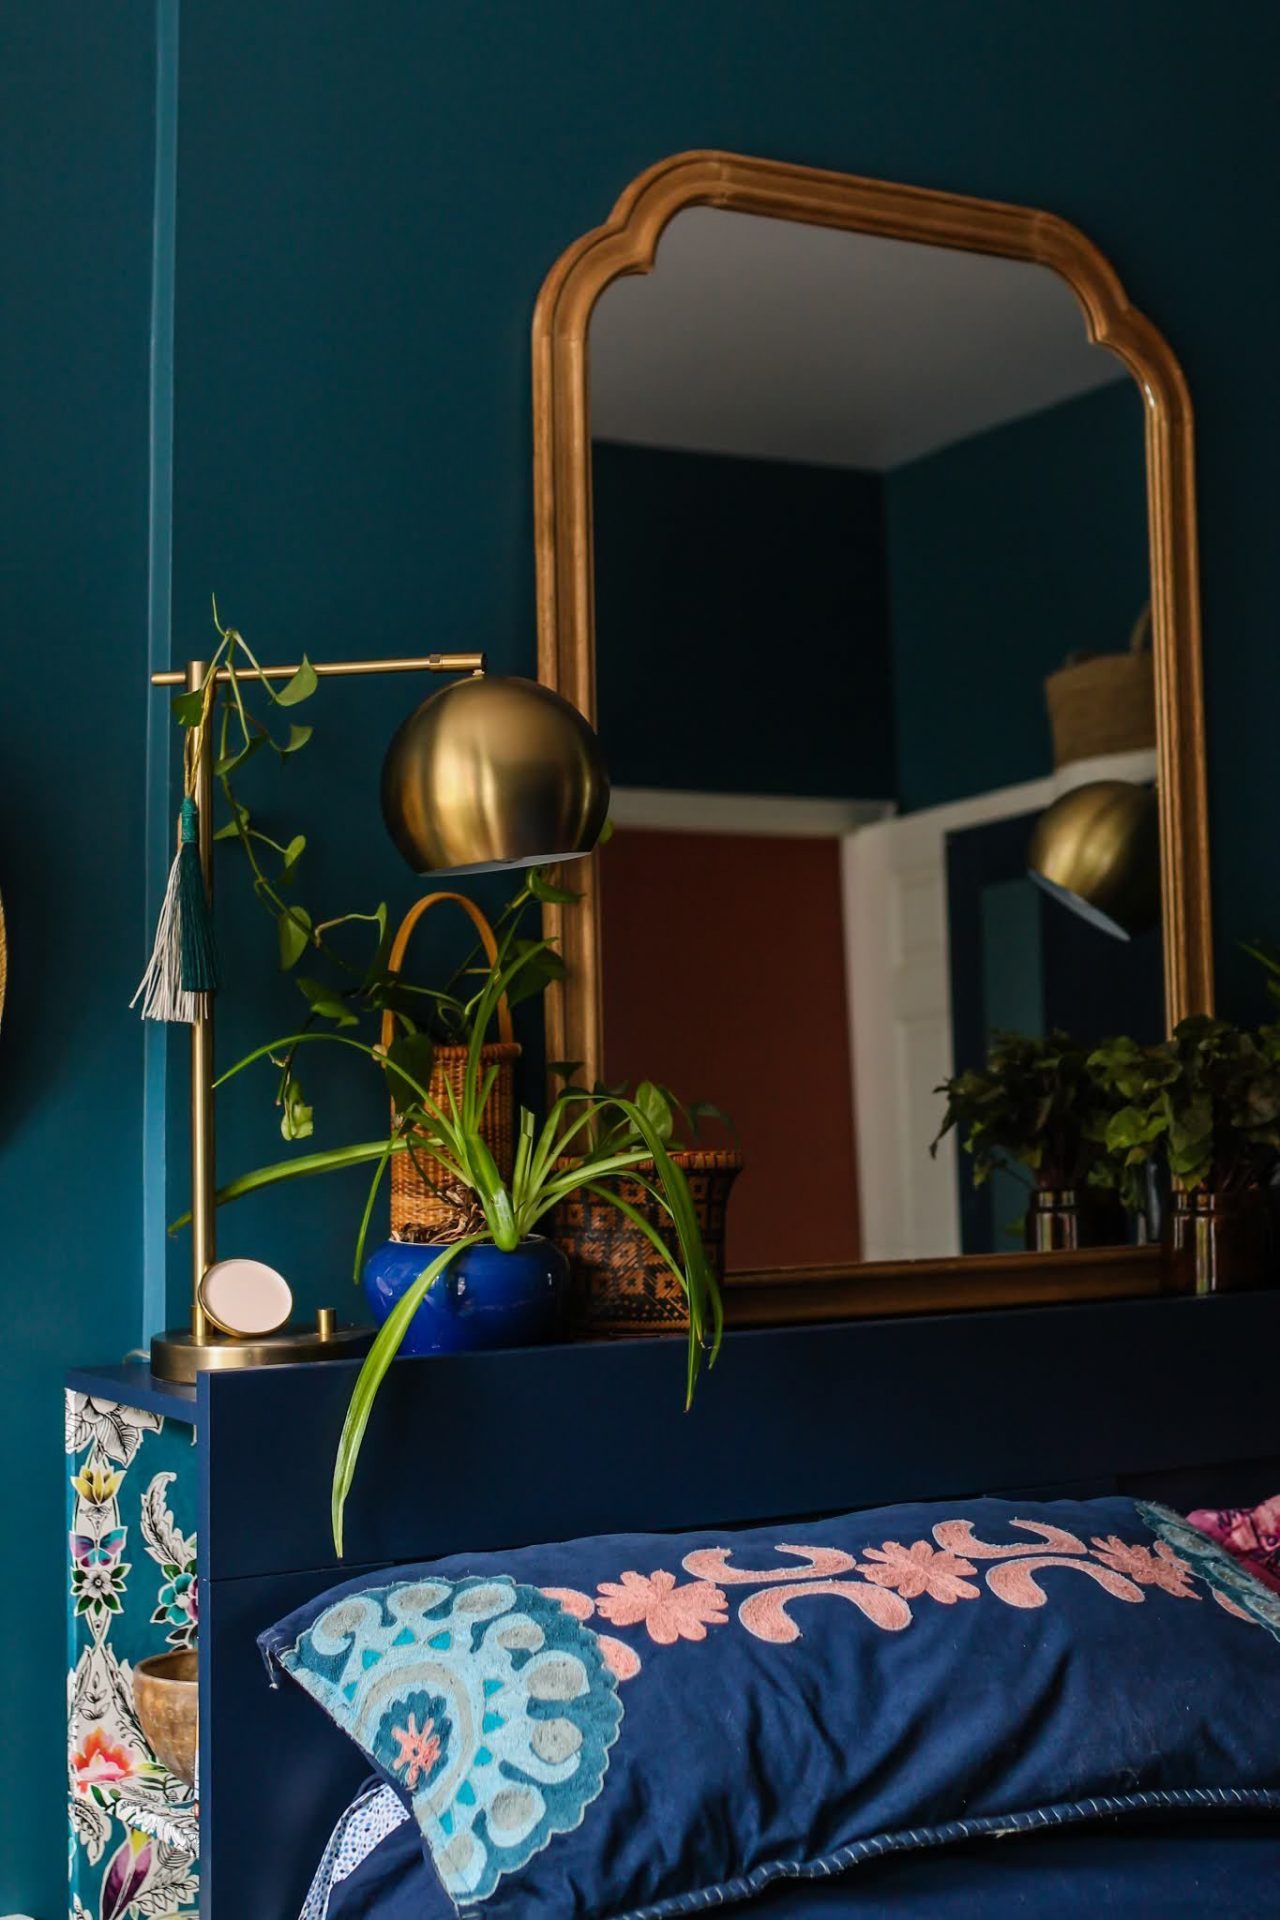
(372,1815)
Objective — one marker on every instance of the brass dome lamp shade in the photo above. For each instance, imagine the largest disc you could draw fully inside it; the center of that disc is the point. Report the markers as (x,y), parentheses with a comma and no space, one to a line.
(493,772)
(1097,850)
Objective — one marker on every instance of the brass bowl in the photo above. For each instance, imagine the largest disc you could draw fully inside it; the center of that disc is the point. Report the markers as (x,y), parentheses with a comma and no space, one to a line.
(164,1694)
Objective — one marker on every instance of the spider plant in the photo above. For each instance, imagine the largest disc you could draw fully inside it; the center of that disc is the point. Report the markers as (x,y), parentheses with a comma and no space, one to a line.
(603,1133)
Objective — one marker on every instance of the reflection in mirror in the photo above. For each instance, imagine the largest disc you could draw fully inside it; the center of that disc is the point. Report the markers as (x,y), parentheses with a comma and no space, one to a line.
(864,513)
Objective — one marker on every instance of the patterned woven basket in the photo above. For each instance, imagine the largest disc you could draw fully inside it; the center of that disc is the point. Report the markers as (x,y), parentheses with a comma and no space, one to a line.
(619,1282)
(418,1210)
(1105,703)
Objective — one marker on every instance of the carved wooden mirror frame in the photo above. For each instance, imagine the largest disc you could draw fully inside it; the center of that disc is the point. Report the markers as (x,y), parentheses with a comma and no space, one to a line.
(627,243)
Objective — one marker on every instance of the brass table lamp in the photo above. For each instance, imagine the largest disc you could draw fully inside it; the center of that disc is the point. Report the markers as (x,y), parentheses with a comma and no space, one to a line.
(490,772)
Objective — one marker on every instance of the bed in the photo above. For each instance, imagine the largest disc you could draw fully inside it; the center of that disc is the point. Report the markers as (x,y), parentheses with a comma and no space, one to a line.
(1230,1869)
(1171,1400)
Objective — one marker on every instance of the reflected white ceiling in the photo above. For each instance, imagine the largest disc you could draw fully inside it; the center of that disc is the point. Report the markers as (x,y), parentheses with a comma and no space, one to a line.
(777,341)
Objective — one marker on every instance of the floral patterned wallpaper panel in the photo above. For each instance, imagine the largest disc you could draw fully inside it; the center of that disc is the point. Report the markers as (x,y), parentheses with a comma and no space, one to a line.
(132,1584)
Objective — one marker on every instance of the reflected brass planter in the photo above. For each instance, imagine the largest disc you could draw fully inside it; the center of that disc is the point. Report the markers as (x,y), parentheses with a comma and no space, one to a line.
(1221,1241)
(165,1696)
(1062,1219)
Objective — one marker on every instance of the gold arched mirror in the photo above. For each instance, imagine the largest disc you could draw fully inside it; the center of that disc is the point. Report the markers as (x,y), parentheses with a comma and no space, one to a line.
(849,497)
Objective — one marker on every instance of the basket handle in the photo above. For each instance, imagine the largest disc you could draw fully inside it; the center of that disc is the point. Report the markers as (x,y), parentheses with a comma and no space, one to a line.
(488,939)
(1140,637)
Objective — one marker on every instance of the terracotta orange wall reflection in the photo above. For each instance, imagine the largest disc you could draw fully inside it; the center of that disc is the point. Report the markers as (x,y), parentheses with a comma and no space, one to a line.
(724,979)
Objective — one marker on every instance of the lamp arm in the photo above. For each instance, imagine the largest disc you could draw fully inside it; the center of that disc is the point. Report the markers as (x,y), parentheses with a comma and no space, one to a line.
(424,663)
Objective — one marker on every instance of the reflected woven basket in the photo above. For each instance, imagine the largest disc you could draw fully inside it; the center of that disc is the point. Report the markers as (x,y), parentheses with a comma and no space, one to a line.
(619,1283)
(1105,702)
(418,1210)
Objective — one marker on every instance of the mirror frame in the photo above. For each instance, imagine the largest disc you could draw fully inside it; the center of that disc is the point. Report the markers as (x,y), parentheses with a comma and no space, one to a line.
(627,243)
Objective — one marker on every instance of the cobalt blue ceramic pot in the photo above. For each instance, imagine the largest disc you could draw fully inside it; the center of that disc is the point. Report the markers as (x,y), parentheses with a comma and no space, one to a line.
(485,1298)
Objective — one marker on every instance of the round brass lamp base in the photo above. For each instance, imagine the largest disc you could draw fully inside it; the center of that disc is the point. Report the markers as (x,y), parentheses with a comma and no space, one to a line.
(179,1356)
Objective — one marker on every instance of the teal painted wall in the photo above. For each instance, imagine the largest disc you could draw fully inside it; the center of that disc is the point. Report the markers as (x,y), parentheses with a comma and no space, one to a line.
(1006,553)
(756,589)
(76,177)
(358,266)
(368,201)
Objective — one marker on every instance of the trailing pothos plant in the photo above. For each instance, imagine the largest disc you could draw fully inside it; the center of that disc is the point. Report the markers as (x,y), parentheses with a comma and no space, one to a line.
(1033,1106)
(602,1134)
(346,982)
(1206,1102)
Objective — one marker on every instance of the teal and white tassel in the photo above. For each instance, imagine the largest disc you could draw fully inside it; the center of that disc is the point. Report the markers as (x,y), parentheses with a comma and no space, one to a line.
(184,959)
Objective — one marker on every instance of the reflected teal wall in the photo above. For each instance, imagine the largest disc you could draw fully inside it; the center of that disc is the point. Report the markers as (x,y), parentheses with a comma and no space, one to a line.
(1007,552)
(77,130)
(369,198)
(742,624)
(773,627)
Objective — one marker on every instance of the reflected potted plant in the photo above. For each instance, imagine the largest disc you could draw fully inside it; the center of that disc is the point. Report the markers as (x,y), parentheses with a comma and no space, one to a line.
(1035,1109)
(1205,1103)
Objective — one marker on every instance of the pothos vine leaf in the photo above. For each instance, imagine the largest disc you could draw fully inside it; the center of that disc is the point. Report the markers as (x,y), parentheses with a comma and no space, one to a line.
(295,936)
(300,688)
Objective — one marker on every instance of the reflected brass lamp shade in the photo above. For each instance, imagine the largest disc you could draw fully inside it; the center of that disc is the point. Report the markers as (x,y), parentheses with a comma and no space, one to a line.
(494,772)
(1097,850)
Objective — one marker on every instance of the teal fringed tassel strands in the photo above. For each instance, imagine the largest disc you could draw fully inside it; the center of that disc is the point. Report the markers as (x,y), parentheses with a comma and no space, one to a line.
(184,959)
(195,920)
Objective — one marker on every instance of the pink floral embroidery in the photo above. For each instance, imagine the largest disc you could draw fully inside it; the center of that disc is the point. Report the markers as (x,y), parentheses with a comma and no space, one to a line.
(765,1614)
(880,1585)
(1252,1534)
(580,1605)
(669,1612)
(957,1536)
(712,1563)
(418,1751)
(1160,1567)
(1013,1582)
(622,1661)
(1229,1606)
(919,1569)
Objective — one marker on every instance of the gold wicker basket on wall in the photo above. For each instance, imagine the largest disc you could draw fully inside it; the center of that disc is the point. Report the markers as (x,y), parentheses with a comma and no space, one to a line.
(1105,702)
(420,1209)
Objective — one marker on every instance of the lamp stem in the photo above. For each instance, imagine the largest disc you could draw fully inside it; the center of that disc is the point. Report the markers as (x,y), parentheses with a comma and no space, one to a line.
(203,1162)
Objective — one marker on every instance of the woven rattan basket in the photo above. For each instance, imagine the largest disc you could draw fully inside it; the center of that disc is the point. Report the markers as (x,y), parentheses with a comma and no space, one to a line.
(419,1208)
(1106,702)
(619,1282)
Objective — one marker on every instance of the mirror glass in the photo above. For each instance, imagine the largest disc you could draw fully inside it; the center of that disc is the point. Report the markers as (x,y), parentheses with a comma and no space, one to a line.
(871,568)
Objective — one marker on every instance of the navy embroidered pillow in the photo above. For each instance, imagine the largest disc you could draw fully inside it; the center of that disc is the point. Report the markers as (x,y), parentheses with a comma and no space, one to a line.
(635,1726)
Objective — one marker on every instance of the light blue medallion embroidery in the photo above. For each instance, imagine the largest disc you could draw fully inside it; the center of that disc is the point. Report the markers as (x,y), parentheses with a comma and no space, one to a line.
(489,1704)
(1214,1565)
